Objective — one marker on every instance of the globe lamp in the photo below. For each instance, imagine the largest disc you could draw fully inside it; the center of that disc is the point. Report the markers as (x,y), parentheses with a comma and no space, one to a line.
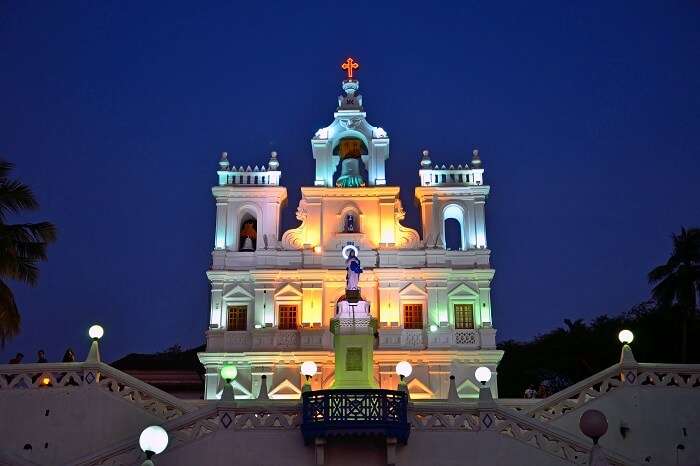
(96,332)
(593,424)
(625,337)
(482,374)
(309,369)
(404,369)
(153,441)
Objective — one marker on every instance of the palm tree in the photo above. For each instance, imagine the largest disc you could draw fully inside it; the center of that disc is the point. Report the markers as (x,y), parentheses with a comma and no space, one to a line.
(22,246)
(677,280)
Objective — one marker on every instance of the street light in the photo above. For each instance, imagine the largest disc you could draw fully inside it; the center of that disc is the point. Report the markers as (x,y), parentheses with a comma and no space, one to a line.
(153,441)
(404,369)
(482,374)
(308,369)
(96,332)
(593,424)
(625,336)
(228,373)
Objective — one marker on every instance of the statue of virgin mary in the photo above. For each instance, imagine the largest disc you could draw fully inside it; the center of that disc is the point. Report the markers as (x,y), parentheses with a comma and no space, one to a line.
(352,265)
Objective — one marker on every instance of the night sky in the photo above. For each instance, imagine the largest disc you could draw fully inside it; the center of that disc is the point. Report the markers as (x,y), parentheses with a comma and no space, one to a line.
(587,116)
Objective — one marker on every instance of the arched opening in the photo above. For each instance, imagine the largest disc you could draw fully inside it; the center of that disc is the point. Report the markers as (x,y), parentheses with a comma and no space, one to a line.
(351,171)
(349,217)
(453,234)
(248,233)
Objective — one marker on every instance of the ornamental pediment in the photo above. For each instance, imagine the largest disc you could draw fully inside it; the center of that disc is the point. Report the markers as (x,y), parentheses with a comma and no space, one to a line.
(237,292)
(289,291)
(462,291)
(412,290)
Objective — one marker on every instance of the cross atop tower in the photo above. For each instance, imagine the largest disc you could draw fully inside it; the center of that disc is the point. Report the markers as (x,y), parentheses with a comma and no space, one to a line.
(350,65)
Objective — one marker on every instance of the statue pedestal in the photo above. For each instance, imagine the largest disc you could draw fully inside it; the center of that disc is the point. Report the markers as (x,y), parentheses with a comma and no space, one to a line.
(353,343)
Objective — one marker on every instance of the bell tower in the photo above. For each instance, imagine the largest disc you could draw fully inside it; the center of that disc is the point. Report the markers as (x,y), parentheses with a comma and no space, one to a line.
(330,144)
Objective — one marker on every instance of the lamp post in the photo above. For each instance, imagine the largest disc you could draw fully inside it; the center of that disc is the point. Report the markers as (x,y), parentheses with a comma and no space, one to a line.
(95,332)
(153,441)
(594,425)
(626,356)
(483,376)
(228,373)
(308,370)
(403,369)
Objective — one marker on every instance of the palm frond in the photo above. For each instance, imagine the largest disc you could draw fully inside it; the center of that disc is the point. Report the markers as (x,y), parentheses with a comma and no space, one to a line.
(9,315)
(5,169)
(15,197)
(661,272)
(42,232)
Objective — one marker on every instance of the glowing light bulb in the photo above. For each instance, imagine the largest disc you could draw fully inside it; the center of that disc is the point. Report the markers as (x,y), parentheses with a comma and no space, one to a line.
(404,369)
(153,439)
(96,332)
(625,336)
(482,374)
(309,368)
(229,372)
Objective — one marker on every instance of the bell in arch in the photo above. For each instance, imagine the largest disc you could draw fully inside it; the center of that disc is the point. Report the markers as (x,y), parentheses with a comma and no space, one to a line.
(350,151)
(248,235)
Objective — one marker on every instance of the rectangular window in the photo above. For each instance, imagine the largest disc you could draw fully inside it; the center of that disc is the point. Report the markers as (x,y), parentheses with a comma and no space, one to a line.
(287,317)
(238,317)
(464,316)
(413,316)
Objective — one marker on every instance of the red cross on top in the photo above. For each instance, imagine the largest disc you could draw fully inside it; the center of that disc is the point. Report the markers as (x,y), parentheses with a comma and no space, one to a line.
(350,65)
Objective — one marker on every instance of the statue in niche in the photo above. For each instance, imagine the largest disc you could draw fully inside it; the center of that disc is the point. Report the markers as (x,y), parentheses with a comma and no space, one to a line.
(248,236)
(349,224)
(352,265)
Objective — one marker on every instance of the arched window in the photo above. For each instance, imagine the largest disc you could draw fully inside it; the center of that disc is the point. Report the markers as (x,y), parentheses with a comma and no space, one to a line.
(248,233)
(453,233)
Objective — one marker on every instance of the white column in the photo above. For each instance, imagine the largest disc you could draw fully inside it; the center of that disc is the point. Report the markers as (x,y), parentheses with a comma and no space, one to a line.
(427,218)
(386,221)
(217,305)
(264,304)
(471,226)
(220,235)
(231,228)
(437,303)
(485,304)
(438,224)
(480,223)
(211,382)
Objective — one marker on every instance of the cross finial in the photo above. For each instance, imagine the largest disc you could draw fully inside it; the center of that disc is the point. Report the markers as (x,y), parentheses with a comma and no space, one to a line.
(350,65)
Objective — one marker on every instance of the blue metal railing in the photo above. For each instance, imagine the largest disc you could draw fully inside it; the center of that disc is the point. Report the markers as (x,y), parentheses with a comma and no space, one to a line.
(355,412)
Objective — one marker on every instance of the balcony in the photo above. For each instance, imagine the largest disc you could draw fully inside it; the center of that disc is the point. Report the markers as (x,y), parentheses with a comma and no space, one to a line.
(327,413)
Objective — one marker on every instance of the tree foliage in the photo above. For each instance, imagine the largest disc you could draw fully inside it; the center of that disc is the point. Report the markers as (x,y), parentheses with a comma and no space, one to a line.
(677,281)
(578,350)
(22,247)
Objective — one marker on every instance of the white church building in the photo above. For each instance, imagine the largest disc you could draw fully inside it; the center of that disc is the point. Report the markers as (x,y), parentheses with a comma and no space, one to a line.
(274,293)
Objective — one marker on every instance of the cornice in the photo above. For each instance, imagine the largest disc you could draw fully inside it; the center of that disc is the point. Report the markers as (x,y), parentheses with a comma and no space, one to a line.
(367,191)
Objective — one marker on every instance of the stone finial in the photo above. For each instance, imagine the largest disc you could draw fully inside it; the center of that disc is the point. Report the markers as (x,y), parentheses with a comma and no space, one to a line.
(425,161)
(263,394)
(476,160)
(273,163)
(223,162)
(452,394)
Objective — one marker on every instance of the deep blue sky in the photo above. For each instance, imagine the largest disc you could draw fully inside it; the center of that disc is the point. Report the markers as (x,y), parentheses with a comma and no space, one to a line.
(587,115)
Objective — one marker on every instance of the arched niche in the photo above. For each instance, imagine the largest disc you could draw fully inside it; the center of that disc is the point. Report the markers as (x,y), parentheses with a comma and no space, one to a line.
(345,224)
(454,212)
(247,231)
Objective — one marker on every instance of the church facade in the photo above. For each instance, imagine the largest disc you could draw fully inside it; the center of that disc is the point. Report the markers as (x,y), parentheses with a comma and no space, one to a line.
(274,293)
